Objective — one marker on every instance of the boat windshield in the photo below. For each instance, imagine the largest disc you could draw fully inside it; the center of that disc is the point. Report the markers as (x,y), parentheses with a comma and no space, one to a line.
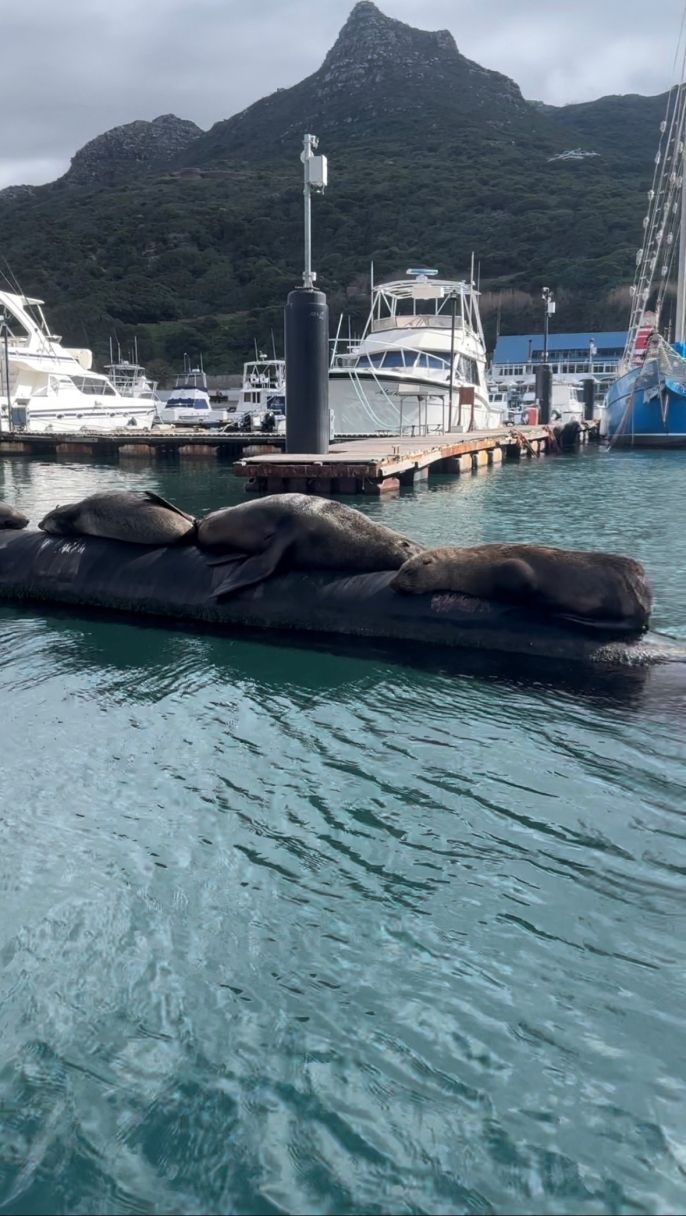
(193,403)
(404,359)
(93,386)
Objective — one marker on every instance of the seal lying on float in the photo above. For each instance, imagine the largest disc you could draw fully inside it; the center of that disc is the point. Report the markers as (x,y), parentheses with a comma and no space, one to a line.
(138,516)
(174,583)
(602,590)
(301,532)
(11,518)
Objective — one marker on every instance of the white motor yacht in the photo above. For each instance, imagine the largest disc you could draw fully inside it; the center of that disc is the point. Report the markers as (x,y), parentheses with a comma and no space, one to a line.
(128,375)
(263,392)
(420,366)
(47,387)
(189,403)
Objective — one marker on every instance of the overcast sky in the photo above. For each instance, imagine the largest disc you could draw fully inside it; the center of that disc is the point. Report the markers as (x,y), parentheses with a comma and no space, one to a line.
(70,69)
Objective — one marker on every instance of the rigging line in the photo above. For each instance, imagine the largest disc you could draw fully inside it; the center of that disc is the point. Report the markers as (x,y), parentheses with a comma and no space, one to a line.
(679,42)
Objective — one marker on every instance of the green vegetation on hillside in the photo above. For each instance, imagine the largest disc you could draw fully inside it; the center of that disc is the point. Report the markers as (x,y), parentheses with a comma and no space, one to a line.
(430,159)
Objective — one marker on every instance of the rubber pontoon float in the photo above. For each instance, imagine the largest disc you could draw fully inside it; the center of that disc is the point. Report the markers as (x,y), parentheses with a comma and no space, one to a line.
(177,583)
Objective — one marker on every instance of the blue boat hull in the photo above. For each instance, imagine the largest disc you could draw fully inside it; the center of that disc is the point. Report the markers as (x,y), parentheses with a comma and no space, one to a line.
(647,408)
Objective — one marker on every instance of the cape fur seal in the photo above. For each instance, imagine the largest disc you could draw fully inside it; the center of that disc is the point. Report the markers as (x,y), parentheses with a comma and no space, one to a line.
(598,589)
(139,516)
(10,517)
(299,531)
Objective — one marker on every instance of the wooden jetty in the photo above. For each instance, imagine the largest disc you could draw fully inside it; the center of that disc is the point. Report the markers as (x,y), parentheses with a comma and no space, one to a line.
(376,465)
(226,446)
(361,465)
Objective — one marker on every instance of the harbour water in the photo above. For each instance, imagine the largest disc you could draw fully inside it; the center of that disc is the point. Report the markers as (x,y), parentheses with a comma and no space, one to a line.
(315,930)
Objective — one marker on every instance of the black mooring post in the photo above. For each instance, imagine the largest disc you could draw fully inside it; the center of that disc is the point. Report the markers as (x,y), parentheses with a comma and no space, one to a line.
(589,398)
(544,391)
(307,371)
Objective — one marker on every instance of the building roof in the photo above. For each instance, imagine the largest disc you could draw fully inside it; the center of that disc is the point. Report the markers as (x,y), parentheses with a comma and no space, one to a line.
(515,347)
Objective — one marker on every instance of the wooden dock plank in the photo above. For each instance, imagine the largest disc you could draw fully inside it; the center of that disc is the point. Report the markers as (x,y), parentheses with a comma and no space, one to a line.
(354,466)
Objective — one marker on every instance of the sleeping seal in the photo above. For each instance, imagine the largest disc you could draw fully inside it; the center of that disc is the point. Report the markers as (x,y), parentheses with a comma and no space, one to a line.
(300,531)
(601,590)
(10,517)
(139,516)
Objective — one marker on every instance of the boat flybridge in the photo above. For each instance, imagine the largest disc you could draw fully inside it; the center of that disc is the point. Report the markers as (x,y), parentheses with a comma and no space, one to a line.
(420,366)
(45,386)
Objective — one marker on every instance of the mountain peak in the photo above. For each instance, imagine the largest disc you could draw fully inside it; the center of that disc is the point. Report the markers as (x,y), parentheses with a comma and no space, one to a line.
(369,39)
(381,78)
(122,151)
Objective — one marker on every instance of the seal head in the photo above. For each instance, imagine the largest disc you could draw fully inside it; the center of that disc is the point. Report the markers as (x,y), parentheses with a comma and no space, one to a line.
(11,518)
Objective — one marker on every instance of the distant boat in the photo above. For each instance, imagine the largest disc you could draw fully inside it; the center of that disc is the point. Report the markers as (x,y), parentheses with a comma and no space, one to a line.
(646,405)
(189,403)
(566,402)
(47,387)
(420,366)
(263,392)
(128,375)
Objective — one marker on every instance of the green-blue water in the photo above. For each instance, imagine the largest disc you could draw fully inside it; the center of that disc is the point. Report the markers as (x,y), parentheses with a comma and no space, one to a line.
(292,931)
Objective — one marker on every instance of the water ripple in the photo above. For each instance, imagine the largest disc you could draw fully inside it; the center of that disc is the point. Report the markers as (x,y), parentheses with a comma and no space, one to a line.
(319,931)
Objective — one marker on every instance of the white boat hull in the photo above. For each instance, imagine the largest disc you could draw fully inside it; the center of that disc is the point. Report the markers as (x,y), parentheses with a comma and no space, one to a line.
(364,404)
(42,419)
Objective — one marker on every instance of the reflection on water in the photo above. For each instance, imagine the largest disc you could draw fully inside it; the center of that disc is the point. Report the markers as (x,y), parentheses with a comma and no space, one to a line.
(329,928)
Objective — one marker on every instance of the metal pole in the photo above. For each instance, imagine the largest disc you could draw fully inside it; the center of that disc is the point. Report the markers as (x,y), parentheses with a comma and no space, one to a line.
(5,334)
(309,142)
(452,361)
(680,330)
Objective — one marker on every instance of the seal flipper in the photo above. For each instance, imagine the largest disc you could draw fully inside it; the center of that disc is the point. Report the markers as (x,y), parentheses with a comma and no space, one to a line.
(259,567)
(162,502)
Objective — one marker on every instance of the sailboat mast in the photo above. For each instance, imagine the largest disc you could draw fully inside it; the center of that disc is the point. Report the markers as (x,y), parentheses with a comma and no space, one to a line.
(680,330)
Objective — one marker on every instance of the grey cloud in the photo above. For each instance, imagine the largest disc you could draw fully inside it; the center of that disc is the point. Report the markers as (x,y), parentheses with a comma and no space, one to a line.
(72,70)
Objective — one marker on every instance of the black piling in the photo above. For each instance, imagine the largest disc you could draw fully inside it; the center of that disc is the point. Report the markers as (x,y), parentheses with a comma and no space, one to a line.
(307,372)
(544,391)
(589,399)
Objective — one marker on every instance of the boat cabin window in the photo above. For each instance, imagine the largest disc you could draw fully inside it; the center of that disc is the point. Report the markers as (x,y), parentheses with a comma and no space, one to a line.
(434,361)
(468,369)
(93,386)
(192,403)
(402,358)
(56,384)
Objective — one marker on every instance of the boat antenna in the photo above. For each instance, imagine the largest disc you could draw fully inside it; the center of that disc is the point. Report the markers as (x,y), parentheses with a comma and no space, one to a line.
(256,354)
(135,348)
(371,280)
(111,355)
(471,271)
(273,346)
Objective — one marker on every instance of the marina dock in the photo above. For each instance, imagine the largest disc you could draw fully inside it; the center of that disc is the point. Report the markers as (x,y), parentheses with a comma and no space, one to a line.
(375,465)
(144,445)
(361,465)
